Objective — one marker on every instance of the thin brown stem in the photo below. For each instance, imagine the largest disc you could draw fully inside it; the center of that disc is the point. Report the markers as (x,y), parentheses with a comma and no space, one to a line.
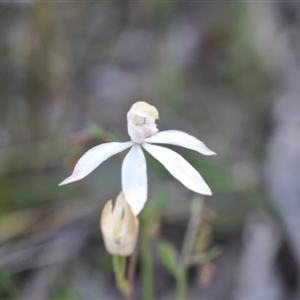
(130,275)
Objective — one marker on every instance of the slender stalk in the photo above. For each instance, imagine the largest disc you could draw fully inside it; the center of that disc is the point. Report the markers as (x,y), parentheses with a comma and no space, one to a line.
(119,265)
(119,270)
(130,275)
(146,259)
(187,247)
(192,229)
(181,284)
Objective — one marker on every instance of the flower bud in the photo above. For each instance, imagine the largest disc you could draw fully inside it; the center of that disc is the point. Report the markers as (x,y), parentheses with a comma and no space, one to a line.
(119,227)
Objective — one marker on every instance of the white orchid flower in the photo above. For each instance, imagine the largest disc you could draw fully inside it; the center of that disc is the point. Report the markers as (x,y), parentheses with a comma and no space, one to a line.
(143,132)
(119,227)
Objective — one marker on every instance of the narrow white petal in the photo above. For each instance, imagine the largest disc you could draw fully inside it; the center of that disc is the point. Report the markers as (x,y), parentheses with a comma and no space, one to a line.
(179,168)
(134,178)
(93,158)
(180,138)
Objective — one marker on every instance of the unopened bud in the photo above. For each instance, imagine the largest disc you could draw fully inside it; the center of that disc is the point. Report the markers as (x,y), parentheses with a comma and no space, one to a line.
(119,227)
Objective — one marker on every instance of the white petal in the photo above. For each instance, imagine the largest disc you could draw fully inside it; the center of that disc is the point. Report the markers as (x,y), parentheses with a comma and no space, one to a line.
(134,178)
(179,168)
(93,158)
(180,138)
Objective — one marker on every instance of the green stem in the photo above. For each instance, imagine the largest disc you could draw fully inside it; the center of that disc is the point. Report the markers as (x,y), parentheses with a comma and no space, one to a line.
(146,259)
(181,284)
(119,265)
(187,247)
(192,229)
(119,270)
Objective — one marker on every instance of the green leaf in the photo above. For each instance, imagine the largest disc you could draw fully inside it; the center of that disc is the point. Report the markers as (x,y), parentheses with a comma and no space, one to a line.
(95,130)
(205,257)
(168,255)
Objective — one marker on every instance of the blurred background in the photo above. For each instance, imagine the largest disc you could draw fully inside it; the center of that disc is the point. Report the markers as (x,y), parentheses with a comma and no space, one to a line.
(227,72)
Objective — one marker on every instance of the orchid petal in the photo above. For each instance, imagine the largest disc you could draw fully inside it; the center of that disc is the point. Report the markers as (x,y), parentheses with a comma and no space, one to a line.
(179,168)
(134,178)
(93,158)
(180,138)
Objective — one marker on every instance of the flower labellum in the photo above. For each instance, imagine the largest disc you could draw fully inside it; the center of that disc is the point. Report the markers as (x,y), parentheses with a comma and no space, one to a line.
(119,227)
(143,133)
